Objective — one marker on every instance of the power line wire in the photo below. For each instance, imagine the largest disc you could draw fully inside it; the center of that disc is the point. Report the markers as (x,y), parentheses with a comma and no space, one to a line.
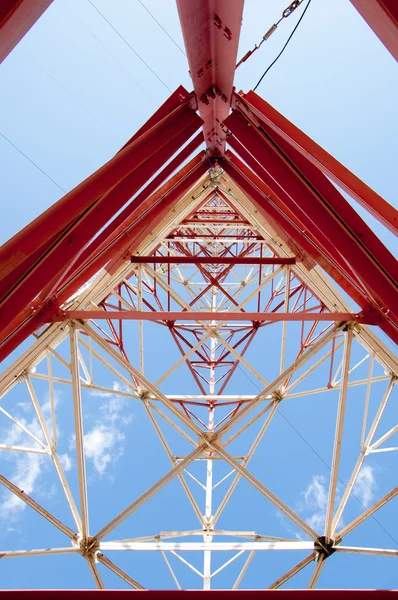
(106,49)
(72,97)
(284,47)
(161,27)
(129,45)
(33,163)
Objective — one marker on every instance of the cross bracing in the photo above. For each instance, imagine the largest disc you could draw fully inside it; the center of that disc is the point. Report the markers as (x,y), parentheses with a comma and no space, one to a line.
(210,424)
(206,400)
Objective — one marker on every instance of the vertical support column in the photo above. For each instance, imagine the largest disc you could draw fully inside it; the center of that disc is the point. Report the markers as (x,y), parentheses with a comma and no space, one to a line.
(209,462)
(284,323)
(78,417)
(141,323)
(338,435)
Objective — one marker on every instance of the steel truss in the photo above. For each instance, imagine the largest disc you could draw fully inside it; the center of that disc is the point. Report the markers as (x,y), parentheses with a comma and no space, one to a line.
(203,301)
(215,276)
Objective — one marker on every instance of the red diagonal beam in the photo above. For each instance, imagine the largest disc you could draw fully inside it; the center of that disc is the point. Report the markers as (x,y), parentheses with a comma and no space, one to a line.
(16,18)
(119,224)
(84,195)
(374,270)
(382,17)
(295,213)
(350,183)
(92,220)
(150,214)
(267,205)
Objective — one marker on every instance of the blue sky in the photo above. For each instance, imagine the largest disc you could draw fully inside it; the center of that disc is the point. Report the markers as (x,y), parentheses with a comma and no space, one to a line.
(73,93)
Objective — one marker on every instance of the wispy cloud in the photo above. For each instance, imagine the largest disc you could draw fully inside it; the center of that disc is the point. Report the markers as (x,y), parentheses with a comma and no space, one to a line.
(315,500)
(104,443)
(65,461)
(365,485)
(102,446)
(27,468)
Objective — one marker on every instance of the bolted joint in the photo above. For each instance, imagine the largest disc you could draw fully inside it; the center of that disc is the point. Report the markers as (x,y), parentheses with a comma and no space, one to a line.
(211,437)
(87,547)
(323,549)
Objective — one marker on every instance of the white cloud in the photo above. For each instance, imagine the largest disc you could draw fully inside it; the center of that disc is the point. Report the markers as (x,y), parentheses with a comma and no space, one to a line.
(66,462)
(27,470)
(315,500)
(101,446)
(365,485)
(27,467)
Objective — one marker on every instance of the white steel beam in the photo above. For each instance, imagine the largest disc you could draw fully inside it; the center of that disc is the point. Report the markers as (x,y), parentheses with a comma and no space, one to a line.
(37,507)
(338,437)
(115,569)
(79,436)
(149,493)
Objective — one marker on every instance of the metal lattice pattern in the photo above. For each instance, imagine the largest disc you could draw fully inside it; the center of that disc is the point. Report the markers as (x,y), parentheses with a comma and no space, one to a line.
(235,309)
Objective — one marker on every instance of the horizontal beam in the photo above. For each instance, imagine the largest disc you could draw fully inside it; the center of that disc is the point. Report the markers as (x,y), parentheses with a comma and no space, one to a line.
(203,546)
(137,315)
(208,594)
(210,260)
(212,221)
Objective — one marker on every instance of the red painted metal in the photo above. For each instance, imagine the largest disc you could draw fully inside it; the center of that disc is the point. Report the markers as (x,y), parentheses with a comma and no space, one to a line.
(92,220)
(123,219)
(211,31)
(180,96)
(16,18)
(31,319)
(83,196)
(278,127)
(269,205)
(208,260)
(373,270)
(301,238)
(298,216)
(136,315)
(382,17)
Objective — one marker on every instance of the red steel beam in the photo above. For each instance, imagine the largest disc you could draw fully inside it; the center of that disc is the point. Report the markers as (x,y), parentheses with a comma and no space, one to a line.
(301,219)
(272,317)
(374,271)
(211,31)
(69,246)
(180,96)
(84,195)
(289,225)
(128,214)
(210,260)
(150,214)
(382,17)
(16,18)
(273,121)
(140,224)
(265,203)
